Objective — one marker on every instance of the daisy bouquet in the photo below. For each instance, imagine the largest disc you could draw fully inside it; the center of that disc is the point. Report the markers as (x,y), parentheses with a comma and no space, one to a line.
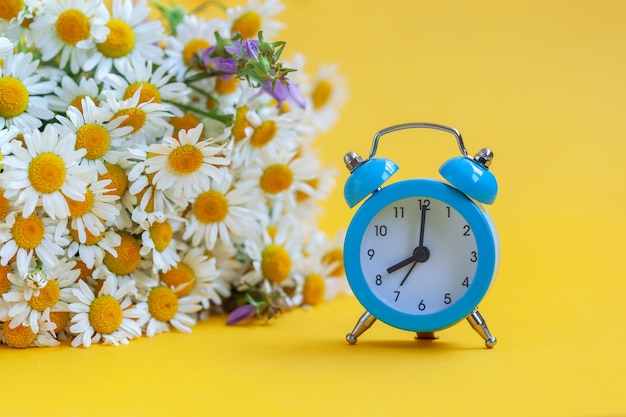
(156,170)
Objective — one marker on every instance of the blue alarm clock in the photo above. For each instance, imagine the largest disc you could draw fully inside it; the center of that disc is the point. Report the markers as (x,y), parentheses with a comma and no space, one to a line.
(421,254)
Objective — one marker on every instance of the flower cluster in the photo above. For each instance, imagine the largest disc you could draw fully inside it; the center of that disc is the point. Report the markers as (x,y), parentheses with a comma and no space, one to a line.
(154,171)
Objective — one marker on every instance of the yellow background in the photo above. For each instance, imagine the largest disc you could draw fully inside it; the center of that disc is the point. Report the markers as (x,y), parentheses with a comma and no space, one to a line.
(540,82)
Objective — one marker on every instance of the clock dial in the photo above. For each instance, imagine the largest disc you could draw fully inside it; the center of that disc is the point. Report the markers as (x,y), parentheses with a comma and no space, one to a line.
(419,255)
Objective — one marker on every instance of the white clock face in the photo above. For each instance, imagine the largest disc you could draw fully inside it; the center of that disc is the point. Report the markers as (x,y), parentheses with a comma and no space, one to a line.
(419,255)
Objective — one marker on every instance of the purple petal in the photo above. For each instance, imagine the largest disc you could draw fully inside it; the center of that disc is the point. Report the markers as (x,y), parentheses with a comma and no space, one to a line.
(242,313)
(282,92)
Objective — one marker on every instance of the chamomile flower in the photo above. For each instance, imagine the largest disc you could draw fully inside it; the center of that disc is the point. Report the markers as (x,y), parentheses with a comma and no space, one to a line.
(148,120)
(158,239)
(92,249)
(70,29)
(131,33)
(218,212)
(196,275)
(71,93)
(45,172)
(266,134)
(21,90)
(185,165)
(22,336)
(254,17)
(87,216)
(96,131)
(109,315)
(25,237)
(193,35)
(279,178)
(156,83)
(15,18)
(164,309)
(39,291)
(327,94)
(127,264)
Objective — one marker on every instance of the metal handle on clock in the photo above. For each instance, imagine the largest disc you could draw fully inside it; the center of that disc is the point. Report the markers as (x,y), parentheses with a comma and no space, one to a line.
(418,125)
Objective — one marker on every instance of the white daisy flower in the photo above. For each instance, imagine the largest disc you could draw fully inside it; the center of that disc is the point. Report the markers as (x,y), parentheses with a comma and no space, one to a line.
(70,28)
(127,264)
(165,308)
(21,89)
(45,172)
(277,179)
(97,207)
(254,17)
(14,16)
(92,249)
(22,336)
(109,316)
(96,131)
(39,291)
(193,35)
(35,235)
(218,212)
(6,47)
(156,83)
(158,239)
(148,120)
(196,275)
(131,33)
(71,93)
(327,94)
(266,134)
(185,165)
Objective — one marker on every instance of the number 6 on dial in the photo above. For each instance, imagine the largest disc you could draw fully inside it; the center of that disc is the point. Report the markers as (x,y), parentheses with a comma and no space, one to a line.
(421,254)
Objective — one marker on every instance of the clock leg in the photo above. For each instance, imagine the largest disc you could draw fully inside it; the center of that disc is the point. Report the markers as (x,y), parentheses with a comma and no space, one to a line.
(478,323)
(364,323)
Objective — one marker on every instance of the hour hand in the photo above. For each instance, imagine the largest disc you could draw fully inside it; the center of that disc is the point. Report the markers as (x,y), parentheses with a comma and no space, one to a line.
(420,254)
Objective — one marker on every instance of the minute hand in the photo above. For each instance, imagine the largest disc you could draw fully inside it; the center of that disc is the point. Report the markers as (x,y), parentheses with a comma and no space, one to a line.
(420,253)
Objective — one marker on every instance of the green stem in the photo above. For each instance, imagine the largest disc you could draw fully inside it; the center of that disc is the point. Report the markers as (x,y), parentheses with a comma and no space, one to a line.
(226,119)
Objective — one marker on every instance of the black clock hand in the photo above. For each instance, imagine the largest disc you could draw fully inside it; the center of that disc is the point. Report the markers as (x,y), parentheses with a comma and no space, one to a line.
(408,273)
(420,254)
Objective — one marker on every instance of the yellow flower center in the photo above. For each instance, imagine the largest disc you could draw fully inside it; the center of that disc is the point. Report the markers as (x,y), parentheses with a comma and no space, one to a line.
(13,97)
(248,24)
(191,50)
(185,159)
(19,337)
(128,257)
(321,93)
(77,102)
(47,298)
(5,284)
(72,26)
(275,263)
(181,274)
(148,92)
(314,289)
(85,272)
(161,235)
(241,122)
(28,232)
(80,208)
(334,256)
(185,122)
(10,8)
(94,138)
(149,208)
(162,303)
(226,85)
(4,204)
(119,180)
(105,314)
(136,118)
(263,134)
(60,318)
(210,207)
(47,172)
(276,178)
(89,240)
(121,39)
